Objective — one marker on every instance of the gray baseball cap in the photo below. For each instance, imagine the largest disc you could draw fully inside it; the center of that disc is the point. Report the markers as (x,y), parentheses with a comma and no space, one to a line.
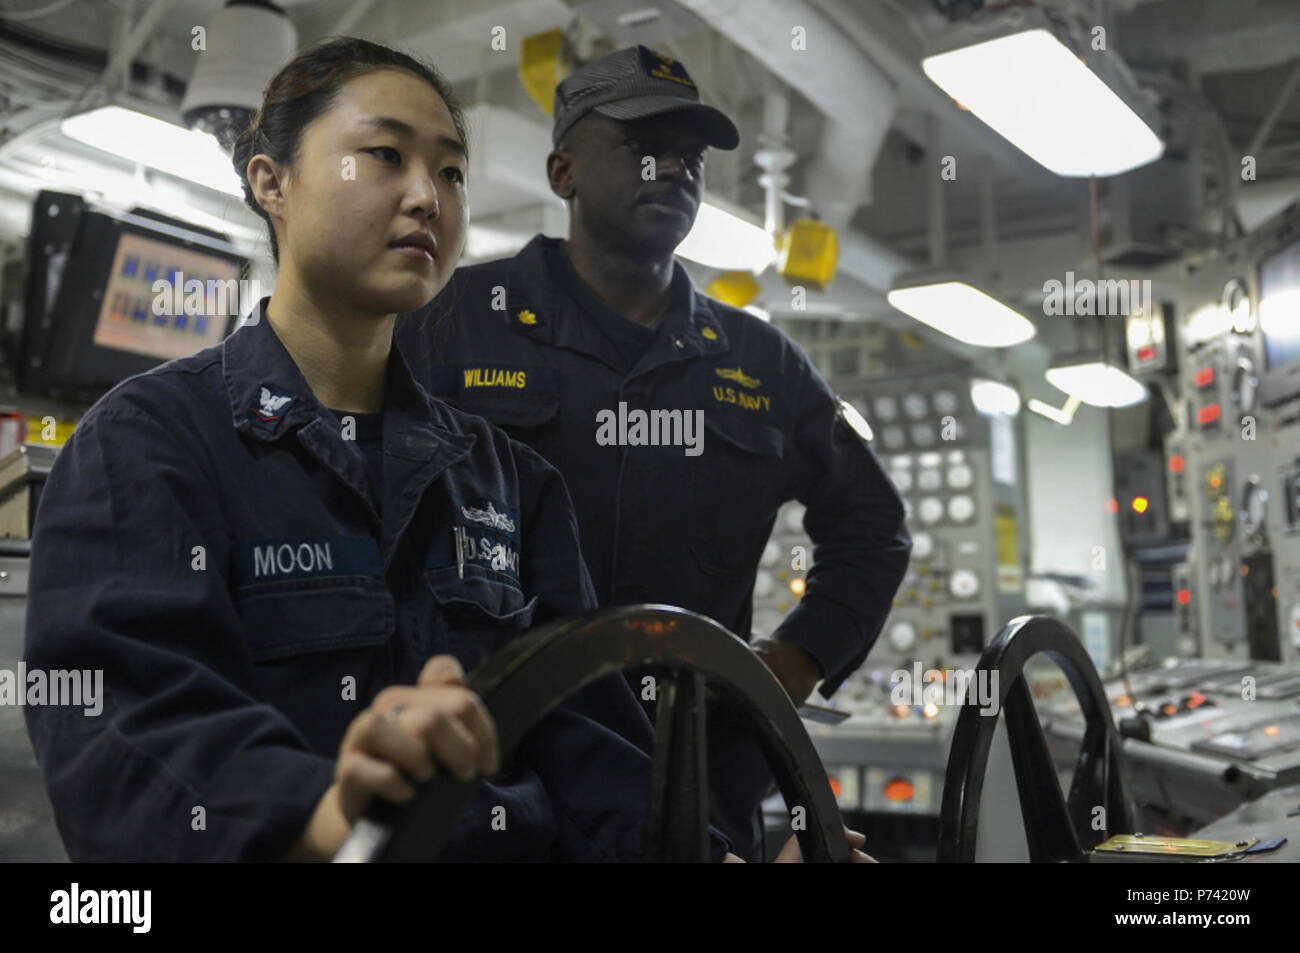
(635,83)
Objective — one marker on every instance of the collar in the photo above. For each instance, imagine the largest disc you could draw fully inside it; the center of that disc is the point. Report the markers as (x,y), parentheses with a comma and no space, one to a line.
(269,397)
(538,307)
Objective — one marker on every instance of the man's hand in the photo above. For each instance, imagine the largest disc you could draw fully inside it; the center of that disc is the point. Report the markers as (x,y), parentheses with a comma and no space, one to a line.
(797,671)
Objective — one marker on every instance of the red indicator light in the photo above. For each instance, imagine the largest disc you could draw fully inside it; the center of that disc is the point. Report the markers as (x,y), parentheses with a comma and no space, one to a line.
(1208,414)
(1184,597)
(899,789)
(1176,463)
(1146,353)
(1204,377)
(1112,505)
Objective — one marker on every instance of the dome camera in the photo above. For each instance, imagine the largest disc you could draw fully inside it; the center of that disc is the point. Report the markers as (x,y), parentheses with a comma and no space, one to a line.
(246,42)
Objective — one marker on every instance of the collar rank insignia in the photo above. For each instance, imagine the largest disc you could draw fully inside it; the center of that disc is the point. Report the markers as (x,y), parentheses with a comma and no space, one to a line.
(527,317)
(709,334)
(270,406)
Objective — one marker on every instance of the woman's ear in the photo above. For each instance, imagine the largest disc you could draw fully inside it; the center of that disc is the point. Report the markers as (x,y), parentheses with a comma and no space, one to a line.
(266,182)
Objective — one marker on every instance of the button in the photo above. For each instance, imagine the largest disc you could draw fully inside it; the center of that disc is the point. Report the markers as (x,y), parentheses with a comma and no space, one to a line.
(681,346)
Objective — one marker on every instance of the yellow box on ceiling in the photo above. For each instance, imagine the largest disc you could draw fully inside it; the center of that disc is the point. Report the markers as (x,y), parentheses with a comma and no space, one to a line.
(541,66)
(736,288)
(807,254)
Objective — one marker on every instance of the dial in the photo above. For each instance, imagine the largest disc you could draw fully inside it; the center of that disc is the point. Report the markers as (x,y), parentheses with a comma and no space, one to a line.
(902,480)
(964,584)
(902,636)
(902,460)
(930,459)
(915,406)
(1236,305)
(929,480)
(956,456)
(922,545)
(893,438)
(931,510)
(945,402)
(960,476)
(961,508)
(1245,386)
(1254,509)
(886,409)
(922,435)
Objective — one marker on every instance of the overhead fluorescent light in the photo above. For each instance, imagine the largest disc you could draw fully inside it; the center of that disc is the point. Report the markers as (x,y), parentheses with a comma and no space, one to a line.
(721,239)
(1097,383)
(991,397)
(1063,416)
(963,312)
(1041,98)
(140,138)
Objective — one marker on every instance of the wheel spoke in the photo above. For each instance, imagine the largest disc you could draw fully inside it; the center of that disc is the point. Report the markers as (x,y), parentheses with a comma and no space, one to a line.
(677,825)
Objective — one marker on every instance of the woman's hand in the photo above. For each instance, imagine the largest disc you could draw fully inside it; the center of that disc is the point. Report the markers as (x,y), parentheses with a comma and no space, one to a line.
(790,853)
(405,734)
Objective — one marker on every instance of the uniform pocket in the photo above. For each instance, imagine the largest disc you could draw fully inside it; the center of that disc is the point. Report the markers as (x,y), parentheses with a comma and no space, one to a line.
(480,598)
(736,486)
(305,616)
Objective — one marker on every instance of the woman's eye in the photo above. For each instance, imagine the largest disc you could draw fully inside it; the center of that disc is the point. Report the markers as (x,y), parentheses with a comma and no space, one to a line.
(387,153)
(455,174)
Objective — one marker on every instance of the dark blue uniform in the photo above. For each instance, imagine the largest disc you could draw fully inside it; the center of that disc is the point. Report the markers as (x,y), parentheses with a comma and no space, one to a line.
(210,539)
(524,343)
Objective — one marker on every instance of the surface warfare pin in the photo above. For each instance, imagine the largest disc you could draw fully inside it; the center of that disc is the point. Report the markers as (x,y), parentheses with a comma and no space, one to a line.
(270,408)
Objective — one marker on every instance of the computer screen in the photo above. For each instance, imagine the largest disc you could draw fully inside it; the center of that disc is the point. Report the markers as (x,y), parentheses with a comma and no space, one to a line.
(137,318)
(1279,306)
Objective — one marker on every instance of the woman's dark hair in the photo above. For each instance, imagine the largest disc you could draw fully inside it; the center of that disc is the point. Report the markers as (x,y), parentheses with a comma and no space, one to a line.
(305,88)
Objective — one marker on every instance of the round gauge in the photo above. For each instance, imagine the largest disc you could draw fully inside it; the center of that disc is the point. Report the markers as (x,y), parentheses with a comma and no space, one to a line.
(1245,385)
(1254,509)
(771,555)
(902,460)
(793,518)
(902,480)
(893,438)
(922,545)
(922,435)
(763,585)
(945,402)
(1236,305)
(930,459)
(914,405)
(886,409)
(960,476)
(931,510)
(964,584)
(929,480)
(956,456)
(961,508)
(902,636)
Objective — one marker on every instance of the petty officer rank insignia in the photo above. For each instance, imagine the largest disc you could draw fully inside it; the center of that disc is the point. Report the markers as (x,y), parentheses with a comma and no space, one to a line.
(493,379)
(271,407)
(735,387)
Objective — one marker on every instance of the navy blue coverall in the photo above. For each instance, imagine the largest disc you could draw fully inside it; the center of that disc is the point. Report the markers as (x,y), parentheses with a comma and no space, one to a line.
(210,540)
(525,343)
